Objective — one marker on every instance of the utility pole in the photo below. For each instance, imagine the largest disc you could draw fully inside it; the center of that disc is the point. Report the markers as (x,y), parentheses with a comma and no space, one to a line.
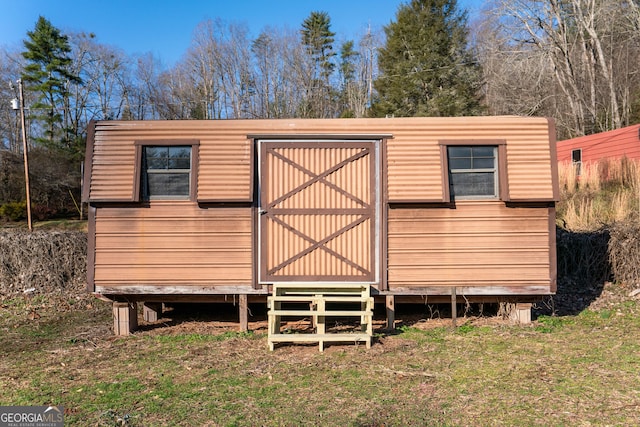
(25,152)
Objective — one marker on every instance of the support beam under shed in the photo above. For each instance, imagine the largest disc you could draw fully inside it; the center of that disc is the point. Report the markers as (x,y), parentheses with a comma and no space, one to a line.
(125,318)
(391,312)
(520,313)
(244,312)
(151,311)
(454,307)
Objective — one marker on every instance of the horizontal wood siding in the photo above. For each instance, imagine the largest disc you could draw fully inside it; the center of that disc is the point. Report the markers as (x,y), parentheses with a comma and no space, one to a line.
(173,244)
(614,144)
(187,244)
(476,244)
(224,167)
(414,167)
(112,168)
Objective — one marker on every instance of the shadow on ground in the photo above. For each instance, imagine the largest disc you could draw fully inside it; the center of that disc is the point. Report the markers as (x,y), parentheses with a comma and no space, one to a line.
(583,269)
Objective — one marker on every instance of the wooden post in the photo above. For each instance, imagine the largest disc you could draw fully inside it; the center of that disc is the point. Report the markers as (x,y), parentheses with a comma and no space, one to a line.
(520,313)
(244,312)
(391,312)
(320,323)
(454,308)
(125,317)
(25,154)
(151,311)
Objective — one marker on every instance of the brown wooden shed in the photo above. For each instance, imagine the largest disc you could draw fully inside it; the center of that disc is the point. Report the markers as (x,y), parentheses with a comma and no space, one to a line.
(196,210)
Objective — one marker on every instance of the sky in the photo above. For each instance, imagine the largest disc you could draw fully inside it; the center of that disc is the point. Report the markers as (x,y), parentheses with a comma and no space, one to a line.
(165,27)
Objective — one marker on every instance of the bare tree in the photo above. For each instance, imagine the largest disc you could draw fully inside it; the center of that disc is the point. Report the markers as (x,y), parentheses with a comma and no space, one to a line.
(269,75)
(108,69)
(11,63)
(281,74)
(142,91)
(179,98)
(583,45)
(360,92)
(219,62)
(517,77)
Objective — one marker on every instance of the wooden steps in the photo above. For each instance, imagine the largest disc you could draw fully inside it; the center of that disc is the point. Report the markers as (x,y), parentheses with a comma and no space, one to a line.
(323,301)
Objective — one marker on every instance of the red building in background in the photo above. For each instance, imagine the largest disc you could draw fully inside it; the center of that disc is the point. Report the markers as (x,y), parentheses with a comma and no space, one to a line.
(613,144)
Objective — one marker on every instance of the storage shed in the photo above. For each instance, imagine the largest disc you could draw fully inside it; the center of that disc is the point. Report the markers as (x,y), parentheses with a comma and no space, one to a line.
(614,144)
(396,207)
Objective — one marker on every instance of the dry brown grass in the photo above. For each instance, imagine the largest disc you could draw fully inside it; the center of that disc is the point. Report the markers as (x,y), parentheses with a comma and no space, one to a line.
(605,192)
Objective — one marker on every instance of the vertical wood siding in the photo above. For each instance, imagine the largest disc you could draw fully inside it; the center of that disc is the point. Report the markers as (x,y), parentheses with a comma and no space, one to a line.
(173,244)
(318,220)
(476,244)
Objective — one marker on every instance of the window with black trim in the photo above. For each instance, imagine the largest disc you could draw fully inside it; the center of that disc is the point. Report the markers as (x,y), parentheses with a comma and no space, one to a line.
(473,171)
(576,160)
(166,172)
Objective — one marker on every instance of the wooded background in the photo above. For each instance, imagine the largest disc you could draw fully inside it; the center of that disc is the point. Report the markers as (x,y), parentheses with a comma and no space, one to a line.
(573,60)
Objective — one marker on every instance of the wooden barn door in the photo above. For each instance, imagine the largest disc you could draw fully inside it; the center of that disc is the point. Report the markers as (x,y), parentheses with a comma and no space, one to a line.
(317,213)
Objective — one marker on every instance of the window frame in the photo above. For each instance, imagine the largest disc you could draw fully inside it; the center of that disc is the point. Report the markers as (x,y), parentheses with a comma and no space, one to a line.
(193,172)
(577,164)
(500,145)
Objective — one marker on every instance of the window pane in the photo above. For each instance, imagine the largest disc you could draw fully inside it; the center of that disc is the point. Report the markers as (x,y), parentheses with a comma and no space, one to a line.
(459,151)
(155,163)
(459,163)
(179,163)
(156,151)
(576,155)
(483,151)
(168,184)
(180,152)
(483,163)
(473,184)
(472,170)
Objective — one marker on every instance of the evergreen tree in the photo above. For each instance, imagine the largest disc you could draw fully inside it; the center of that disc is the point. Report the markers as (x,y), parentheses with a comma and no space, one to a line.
(425,66)
(47,74)
(348,57)
(318,39)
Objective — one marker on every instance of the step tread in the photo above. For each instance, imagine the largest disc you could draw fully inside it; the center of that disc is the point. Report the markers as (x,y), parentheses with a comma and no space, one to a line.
(323,285)
(310,298)
(319,337)
(325,313)
(323,293)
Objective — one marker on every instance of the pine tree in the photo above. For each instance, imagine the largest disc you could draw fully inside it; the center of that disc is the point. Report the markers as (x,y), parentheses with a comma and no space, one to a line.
(425,66)
(318,38)
(47,74)
(348,56)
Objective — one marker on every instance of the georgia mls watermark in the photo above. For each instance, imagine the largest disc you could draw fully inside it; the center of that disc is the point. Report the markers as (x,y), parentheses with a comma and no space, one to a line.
(31,416)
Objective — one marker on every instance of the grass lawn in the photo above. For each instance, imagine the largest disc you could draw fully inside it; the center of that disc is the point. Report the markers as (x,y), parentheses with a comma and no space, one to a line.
(572,370)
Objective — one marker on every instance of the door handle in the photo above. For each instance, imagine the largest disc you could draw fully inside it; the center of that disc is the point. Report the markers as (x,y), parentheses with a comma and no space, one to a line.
(261,211)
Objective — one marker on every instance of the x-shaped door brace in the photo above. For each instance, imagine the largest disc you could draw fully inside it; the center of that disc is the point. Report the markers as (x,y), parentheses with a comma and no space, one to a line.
(319,178)
(321,244)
